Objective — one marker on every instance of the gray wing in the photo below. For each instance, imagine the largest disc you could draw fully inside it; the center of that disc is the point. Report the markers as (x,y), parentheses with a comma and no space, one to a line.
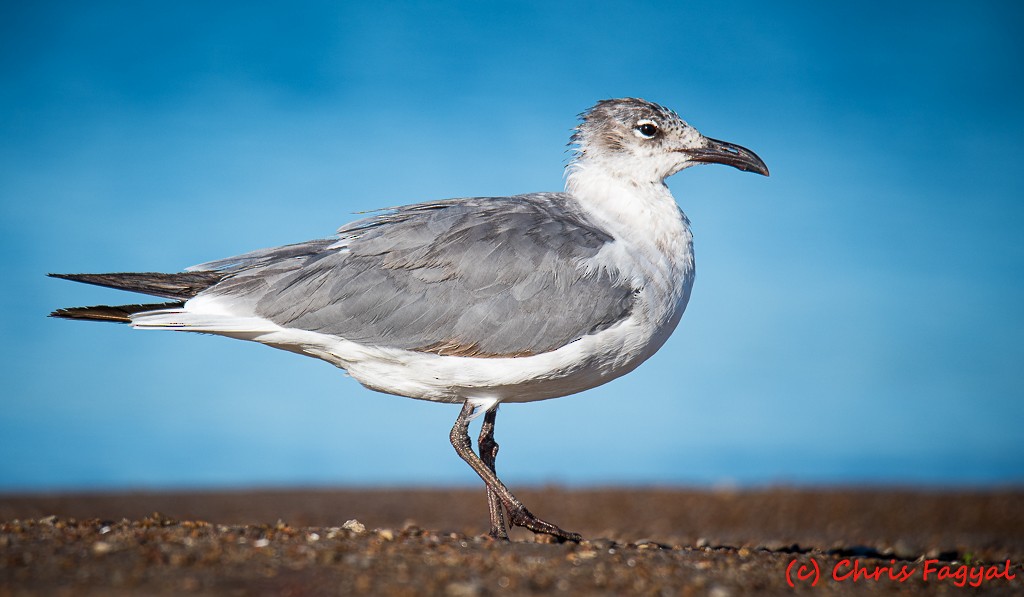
(471,277)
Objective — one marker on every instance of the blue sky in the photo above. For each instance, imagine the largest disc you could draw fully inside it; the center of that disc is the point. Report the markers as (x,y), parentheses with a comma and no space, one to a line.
(857,317)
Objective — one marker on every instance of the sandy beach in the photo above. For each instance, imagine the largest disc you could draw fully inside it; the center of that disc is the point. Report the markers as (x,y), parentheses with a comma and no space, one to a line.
(432,542)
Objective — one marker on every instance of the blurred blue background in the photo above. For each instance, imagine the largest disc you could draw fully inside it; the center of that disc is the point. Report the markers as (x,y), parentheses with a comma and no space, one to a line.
(857,318)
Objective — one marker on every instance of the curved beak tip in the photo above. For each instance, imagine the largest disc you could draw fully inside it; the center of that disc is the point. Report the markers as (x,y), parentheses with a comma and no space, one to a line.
(761,169)
(730,154)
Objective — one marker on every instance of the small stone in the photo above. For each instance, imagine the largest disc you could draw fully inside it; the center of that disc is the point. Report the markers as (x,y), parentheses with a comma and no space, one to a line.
(101,547)
(648,544)
(261,542)
(702,543)
(601,543)
(774,546)
(904,551)
(386,534)
(355,526)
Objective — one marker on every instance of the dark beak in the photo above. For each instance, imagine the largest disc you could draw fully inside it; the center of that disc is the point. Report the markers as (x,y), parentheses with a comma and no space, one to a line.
(721,152)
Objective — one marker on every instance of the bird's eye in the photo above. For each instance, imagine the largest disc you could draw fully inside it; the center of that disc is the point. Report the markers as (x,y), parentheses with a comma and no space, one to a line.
(646,129)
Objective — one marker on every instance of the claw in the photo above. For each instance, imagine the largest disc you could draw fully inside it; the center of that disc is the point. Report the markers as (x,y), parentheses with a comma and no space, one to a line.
(521,517)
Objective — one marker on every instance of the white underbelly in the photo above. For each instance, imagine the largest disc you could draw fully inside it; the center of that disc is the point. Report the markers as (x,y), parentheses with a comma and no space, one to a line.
(580,365)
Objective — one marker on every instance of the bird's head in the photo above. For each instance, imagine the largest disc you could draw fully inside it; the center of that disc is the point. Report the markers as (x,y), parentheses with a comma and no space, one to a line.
(643,142)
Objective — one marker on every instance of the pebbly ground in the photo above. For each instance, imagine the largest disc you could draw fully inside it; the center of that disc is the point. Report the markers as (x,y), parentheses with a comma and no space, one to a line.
(429,542)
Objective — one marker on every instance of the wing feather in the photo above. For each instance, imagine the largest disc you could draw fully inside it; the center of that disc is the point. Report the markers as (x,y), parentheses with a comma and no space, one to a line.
(471,277)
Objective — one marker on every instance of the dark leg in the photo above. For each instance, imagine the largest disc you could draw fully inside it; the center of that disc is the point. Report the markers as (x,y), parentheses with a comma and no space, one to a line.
(488,453)
(518,515)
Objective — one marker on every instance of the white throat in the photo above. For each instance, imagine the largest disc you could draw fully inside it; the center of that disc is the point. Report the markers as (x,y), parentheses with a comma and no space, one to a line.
(652,234)
(635,211)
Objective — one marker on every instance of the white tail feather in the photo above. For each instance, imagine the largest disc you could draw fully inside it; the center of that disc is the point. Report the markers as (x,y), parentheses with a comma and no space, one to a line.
(213,323)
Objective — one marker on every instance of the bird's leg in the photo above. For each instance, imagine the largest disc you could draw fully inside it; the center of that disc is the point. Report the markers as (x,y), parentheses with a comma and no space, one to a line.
(518,515)
(488,454)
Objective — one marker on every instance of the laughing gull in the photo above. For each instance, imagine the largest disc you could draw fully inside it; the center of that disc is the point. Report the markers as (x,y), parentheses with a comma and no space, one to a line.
(474,301)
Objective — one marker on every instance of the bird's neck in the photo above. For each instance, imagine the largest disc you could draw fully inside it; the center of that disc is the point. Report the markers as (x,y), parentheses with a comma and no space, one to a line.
(635,211)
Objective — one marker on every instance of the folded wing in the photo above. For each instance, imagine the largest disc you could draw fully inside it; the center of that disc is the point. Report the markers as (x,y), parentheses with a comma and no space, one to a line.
(485,277)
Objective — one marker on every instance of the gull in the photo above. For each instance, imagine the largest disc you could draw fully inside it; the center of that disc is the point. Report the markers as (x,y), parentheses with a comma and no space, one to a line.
(474,301)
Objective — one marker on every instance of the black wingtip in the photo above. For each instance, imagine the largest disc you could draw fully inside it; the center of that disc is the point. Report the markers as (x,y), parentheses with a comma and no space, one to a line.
(111,313)
(68,313)
(97,313)
(181,286)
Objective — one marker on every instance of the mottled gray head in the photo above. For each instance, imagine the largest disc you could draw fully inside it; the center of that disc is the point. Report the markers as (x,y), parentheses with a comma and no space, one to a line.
(643,141)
